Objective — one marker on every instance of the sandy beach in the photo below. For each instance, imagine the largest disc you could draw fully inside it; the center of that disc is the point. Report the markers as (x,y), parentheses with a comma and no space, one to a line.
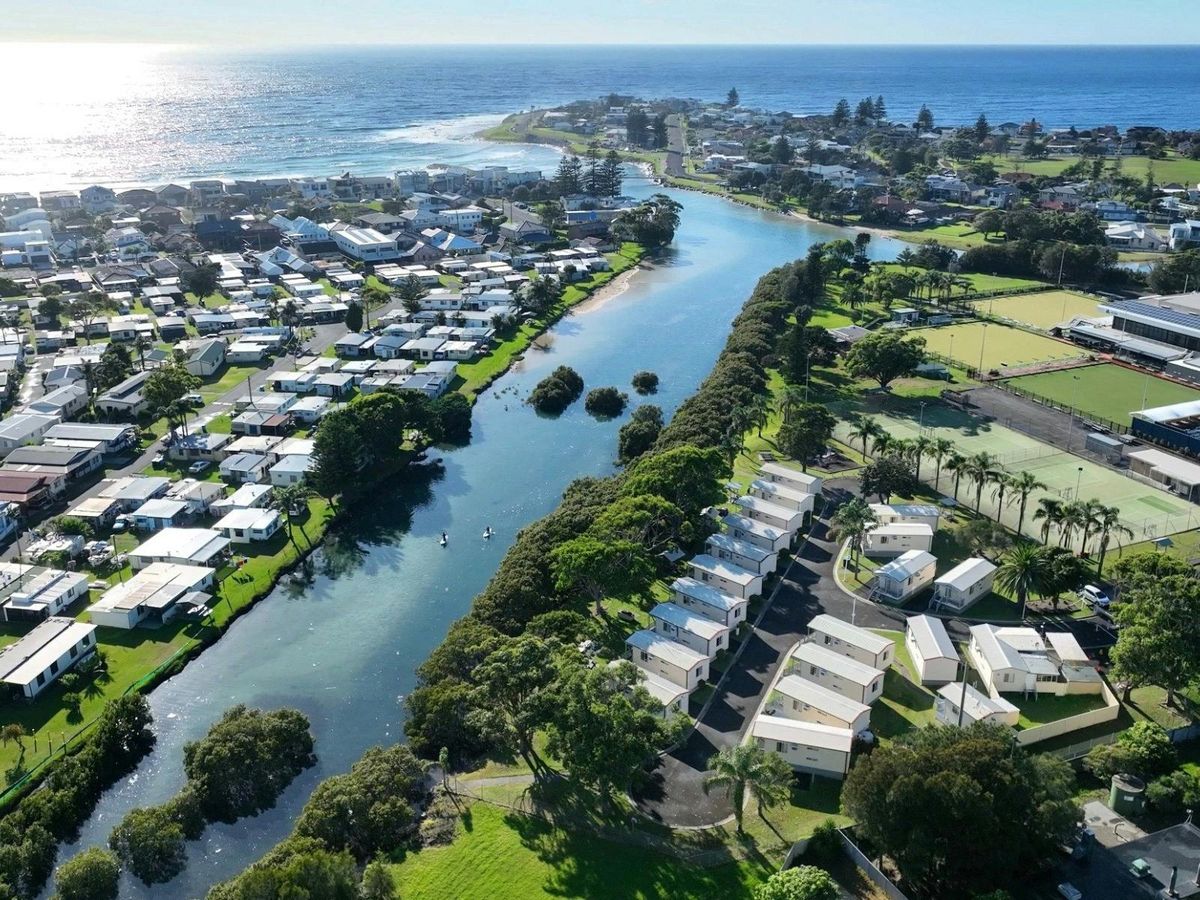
(608,293)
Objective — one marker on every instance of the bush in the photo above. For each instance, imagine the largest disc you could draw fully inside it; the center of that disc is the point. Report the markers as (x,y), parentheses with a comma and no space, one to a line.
(645,382)
(150,845)
(1144,750)
(556,391)
(605,401)
(1172,794)
(800,883)
(639,433)
(93,874)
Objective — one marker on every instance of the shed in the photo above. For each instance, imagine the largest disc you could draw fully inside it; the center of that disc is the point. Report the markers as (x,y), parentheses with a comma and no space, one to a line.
(964,585)
(931,650)
(806,746)
(905,575)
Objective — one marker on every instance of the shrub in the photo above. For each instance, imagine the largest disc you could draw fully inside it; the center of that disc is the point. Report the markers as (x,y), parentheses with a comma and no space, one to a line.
(1144,750)
(645,382)
(91,875)
(605,401)
(556,391)
(150,845)
(1172,794)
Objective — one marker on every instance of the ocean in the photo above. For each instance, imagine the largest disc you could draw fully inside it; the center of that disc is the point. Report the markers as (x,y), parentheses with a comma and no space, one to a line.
(135,114)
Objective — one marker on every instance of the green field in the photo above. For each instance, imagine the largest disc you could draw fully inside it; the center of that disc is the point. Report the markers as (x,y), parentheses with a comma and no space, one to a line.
(979,281)
(502,855)
(1106,391)
(1173,168)
(1001,346)
(1041,310)
(1146,510)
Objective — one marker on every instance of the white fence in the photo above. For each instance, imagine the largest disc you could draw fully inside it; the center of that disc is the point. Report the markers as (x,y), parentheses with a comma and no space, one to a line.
(1106,713)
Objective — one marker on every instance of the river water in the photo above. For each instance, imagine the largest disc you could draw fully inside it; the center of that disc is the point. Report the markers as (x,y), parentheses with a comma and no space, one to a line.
(344,649)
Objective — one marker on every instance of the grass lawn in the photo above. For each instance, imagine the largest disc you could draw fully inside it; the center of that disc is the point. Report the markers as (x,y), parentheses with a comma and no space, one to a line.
(1043,709)
(499,854)
(1173,168)
(1044,309)
(473,376)
(904,706)
(960,236)
(1106,391)
(998,346)
(230,378)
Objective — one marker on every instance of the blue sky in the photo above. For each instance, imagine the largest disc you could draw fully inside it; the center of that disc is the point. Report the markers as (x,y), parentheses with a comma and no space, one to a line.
(609,21)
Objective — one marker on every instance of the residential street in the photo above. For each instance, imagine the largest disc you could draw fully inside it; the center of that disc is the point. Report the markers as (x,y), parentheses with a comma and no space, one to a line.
(675,793)
(675,146)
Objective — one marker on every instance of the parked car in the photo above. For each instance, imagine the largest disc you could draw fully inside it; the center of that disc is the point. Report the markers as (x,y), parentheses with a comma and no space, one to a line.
(194,399)
(1095,597)
(159,459)
(199,467)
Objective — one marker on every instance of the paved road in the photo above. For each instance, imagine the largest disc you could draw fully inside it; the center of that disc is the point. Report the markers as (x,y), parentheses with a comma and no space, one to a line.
(675,792)
(675,146)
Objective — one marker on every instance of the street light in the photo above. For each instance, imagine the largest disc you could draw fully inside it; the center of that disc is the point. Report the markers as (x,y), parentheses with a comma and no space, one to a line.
(1078,477)
(982,344)
(921,422)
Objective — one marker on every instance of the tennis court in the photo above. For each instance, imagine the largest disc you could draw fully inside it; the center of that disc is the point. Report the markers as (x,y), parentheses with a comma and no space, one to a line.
(999,346)
(1042,310)
(1147,511)
(1105,391)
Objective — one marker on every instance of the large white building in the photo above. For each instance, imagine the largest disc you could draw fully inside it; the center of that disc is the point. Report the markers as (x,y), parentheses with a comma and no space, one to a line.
(806,746)
(364,244)
(154,594)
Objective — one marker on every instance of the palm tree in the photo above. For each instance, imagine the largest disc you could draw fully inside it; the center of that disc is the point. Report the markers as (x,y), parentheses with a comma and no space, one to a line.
(1050,512)
(852,521)
(957,465)
(747,767)
(1090,513)
(906,258)
(286,500)
(865,430)
(1110,524)
(1071,521)
(141,345)
(921,447)
(883,444)
(1023,572)
(981,469)
(1001,484)
(789,401)
(1023,484)
(939,449)
(759,412)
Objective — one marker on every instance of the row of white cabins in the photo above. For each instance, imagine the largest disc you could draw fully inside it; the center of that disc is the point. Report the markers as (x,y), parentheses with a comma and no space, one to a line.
(688,631)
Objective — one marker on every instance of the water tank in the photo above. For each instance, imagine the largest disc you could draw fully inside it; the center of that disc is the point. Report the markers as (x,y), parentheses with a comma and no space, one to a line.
(1127,796)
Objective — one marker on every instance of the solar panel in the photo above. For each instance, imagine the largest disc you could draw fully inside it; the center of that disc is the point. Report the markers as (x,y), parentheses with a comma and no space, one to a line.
(1174,317)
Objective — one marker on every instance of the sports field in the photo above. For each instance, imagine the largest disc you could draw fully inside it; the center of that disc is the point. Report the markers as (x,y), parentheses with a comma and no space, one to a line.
(1002,346)
(1107,391)
(1043,310)
(1146,510)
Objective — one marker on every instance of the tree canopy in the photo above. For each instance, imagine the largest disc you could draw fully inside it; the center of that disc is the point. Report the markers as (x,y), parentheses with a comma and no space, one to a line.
(885,356)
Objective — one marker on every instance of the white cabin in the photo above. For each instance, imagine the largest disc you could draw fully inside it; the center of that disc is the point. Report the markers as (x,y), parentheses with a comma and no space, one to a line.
(905,575)
(806,746)
(806,701)
(668,659)
(964,585)
(852,641)
(931,650)
(840,674)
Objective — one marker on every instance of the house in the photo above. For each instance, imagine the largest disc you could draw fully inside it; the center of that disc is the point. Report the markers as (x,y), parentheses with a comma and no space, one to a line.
(99,512)
(28,490)
(726,577)
(33,594)
(789,477)
(62,403)
(839,673)
(1018,660)
(1184,235)
(670,695)
(689,628)
(852,641)
(32,663)
(798,698)
(960,702)
(67,464)
(254,423)
(198,495)
(964,585)
(806,746)
(160,513)
(24,429)
(249,524)
(742,554)
(759,534)
(907,513)
(773,514)
(132,491)
(125,400)
(291,469)
(906,575)
(200,445)
(188,546)
(333,384)
(205,357)
(244,468)
(111,438)
(248,496)
(351,345)
(309,410)
(785,496)
(897,539)
(154,595)
(1134,236)
(709,601)
(931,650)
(668,659)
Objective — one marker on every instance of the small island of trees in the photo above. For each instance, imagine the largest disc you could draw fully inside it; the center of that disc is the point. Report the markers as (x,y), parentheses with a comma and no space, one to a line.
(605,401)
(557,391)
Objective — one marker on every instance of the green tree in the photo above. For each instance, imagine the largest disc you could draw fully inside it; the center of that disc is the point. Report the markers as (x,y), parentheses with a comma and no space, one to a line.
(841,113)
(606,402)
(781,151)
(1144,749)
(807,432)
(982,129)
(338,455)
(202,281)
(852,521)
(639,433)
(511,697)
(569,178)
(168,384)
(935,799)
(1023,484)
(601,568)
(1023,572)
(887,476)
(377,881)
(885,356)
(747,769)
(645,382)
(1159,639)
(93,874)
(354,317)
(799,883)
(687,476)
(150,844)
(982,470)
(866,430)
(924,119)
(732,99)
(652,223)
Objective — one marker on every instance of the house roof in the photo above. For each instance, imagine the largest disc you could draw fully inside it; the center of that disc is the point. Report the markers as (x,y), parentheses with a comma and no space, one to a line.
(821,698)
(741,548)
(665,692)
(997,654)
(808,734)
(135,487)
(705,593)
(782,471)
(723,569)
(23,661)
(161,508)
(157,586)
(843,666)
(665,649)
(768,532)
(688,621)
(967,573)
(977,705)
(776,489)
(183,543)
(849,634)
(1066,646)
(767,508)
(243,462)
(247,517)
(931,638)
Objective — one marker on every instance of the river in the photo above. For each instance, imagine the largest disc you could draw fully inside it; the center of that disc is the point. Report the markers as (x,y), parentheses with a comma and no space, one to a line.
(344,649)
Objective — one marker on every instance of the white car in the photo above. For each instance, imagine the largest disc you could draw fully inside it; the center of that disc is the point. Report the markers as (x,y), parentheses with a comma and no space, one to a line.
(1068,891)
(1095,597)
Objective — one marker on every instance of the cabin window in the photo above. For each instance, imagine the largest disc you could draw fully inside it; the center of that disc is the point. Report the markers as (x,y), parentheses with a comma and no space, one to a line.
(720,641)
(699,669)
(54,668)
(645,656)
(812,670)
(779,746)
(74,652)
(41,679)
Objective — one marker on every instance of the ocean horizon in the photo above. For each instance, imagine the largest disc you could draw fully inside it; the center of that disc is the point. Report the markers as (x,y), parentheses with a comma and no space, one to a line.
(174,112)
